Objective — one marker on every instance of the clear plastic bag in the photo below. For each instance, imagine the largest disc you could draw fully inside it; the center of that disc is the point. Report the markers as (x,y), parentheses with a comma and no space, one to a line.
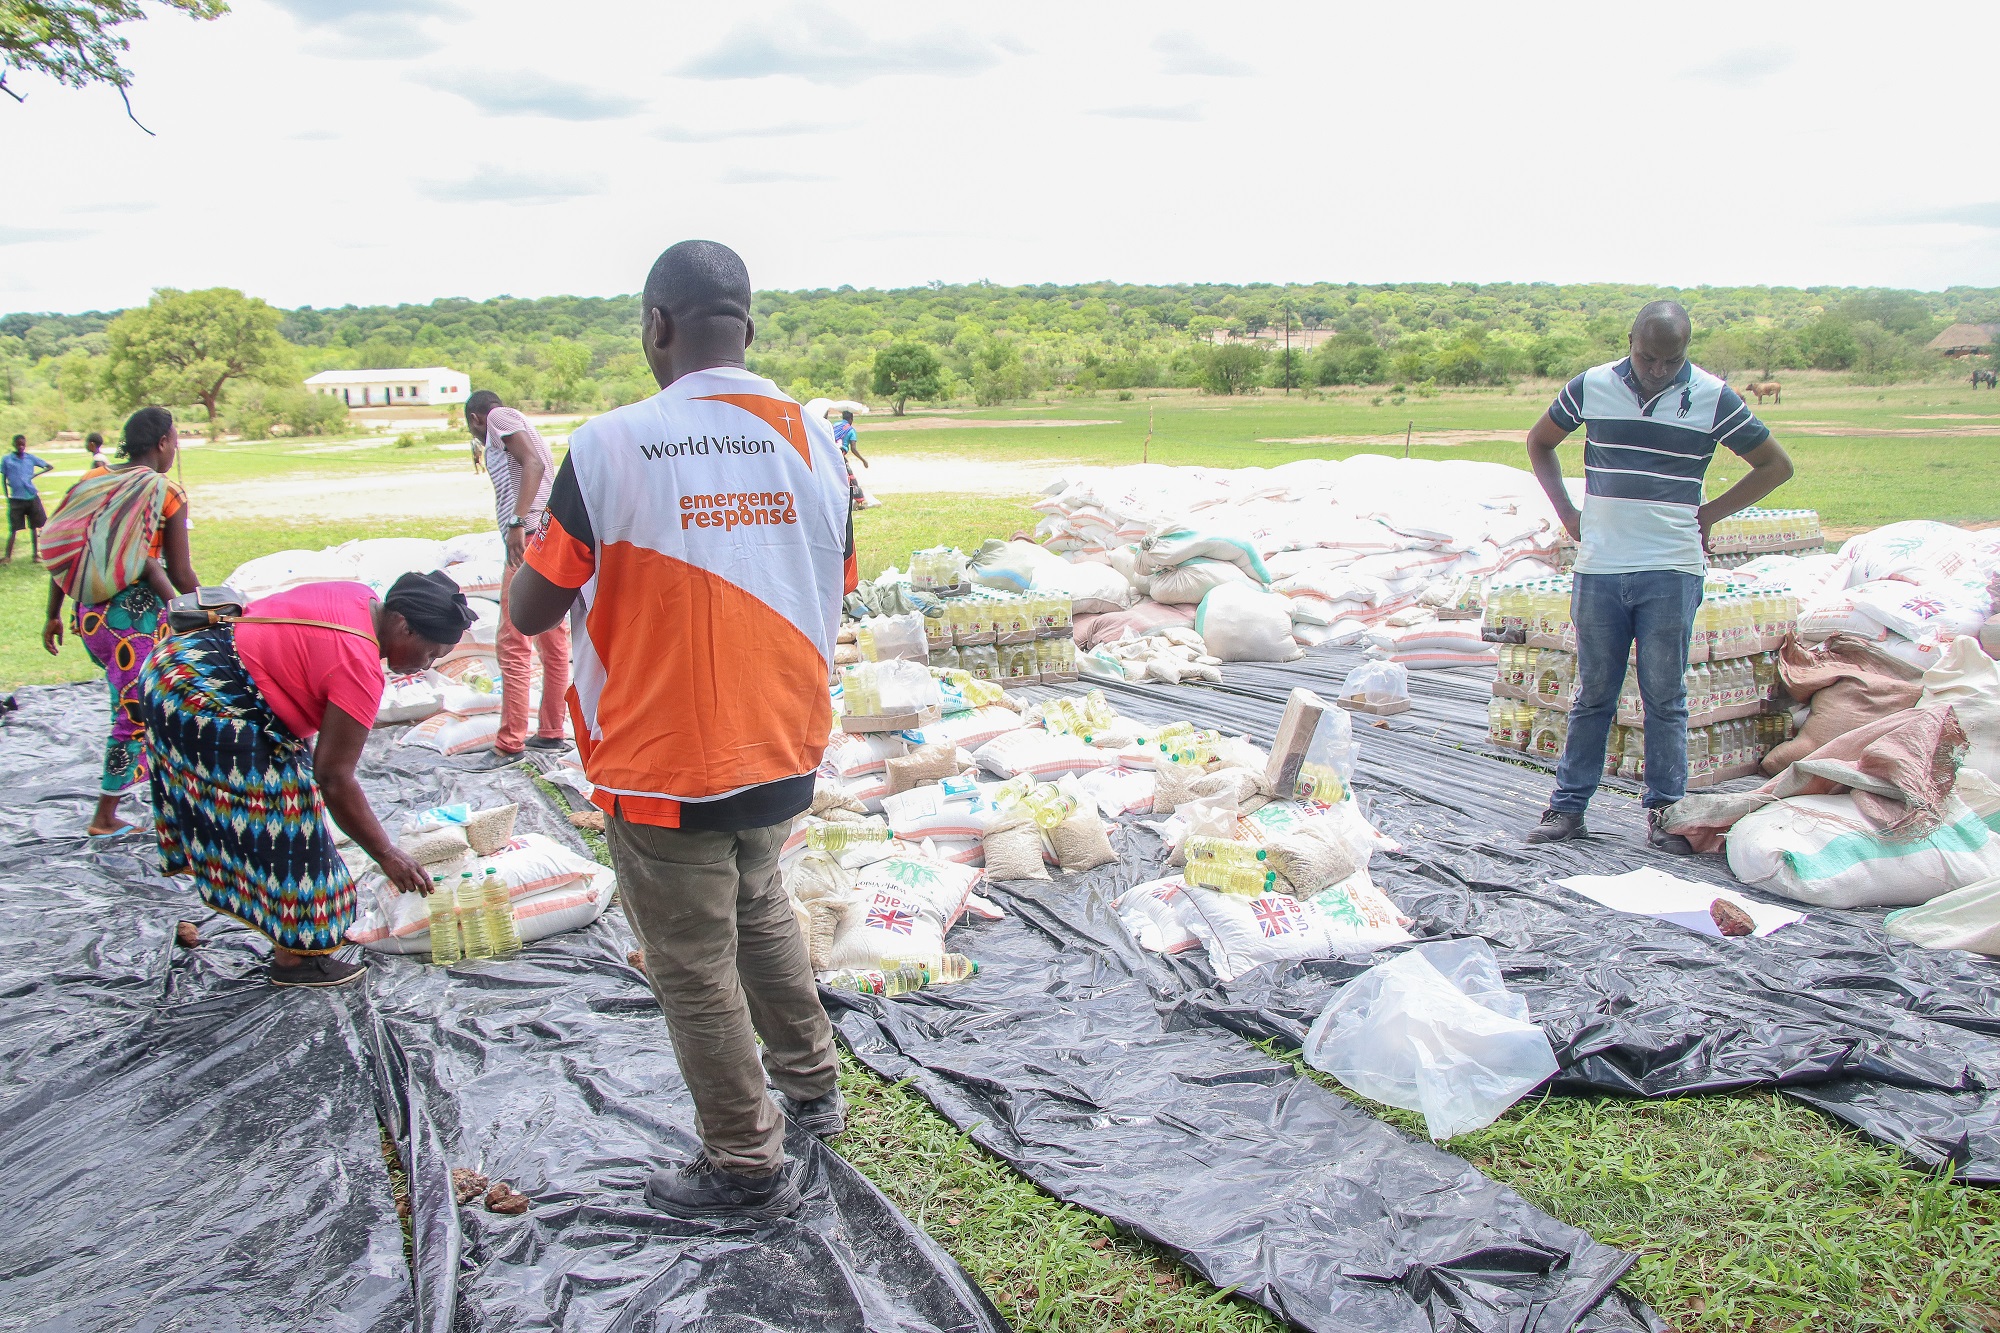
(1436,1031)
(1377,683)
(1329,760)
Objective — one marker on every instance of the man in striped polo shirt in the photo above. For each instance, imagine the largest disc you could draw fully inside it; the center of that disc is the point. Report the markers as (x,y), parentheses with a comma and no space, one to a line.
(1652,422)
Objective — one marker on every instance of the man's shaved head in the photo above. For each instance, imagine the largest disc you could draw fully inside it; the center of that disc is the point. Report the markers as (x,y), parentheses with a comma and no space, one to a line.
(699,280)
(1657,317)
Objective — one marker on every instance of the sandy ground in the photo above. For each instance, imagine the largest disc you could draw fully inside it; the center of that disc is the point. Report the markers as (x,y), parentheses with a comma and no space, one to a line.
(1430,437)
(456,492)
(873,424)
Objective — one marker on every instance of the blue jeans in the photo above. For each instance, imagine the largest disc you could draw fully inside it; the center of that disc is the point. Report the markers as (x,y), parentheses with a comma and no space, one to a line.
(1655,609)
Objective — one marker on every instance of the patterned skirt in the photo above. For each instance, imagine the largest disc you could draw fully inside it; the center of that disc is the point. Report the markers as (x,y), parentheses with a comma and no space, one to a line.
(119,636)
(234,798)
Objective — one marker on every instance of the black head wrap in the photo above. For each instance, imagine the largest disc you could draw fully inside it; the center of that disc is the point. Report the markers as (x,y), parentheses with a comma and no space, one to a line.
(432,604)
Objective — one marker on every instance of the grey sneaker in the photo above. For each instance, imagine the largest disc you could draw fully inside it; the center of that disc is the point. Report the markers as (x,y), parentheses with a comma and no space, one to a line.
(1557,826)
(700,1189)
(1661,840)
(822,1117)
(320,969)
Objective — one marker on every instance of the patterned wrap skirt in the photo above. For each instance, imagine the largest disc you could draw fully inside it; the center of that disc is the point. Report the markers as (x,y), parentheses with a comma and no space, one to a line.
(119,635)
(234,798)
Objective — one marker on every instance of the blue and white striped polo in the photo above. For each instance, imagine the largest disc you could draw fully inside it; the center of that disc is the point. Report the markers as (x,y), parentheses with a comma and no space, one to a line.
(1644,461)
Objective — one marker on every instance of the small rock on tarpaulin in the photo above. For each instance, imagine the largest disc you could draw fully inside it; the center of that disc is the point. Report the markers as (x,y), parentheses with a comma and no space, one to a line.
(504,1198)
(187,934)
(467,1184)
(1730,919)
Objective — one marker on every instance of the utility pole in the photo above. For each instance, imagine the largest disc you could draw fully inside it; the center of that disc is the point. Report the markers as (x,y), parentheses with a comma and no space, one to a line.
(1407,432)
(1146,449)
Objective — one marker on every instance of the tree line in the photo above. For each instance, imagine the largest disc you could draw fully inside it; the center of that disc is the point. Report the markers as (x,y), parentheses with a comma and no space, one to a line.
(239,361)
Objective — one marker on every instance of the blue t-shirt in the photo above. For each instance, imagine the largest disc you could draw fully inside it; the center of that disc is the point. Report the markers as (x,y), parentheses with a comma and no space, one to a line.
(20,473)
(1644,459)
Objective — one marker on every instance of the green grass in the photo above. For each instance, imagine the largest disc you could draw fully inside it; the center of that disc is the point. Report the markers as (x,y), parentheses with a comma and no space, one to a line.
(1853,481)
(1747,1211)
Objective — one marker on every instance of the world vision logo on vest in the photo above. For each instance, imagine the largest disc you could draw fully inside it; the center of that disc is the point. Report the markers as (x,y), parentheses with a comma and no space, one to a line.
(780,414)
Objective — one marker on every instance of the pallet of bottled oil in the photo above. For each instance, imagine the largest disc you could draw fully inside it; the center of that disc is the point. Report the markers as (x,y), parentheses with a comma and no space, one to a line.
(1008,638)
(1735,713)
(1752,533)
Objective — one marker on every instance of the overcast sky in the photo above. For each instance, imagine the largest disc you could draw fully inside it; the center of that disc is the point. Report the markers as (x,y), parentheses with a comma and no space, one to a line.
(334,151)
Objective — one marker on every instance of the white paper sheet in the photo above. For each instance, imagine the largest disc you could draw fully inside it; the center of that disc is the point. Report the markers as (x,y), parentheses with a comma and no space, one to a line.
(1683,902)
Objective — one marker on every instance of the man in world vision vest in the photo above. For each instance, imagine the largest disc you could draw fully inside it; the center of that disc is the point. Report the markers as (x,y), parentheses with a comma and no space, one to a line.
(701,544)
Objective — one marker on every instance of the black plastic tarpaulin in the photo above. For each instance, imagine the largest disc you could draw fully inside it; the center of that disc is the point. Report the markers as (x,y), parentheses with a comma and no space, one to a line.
(552,1070)
(181,1146)
(187,1148)
(1060,1058)
(1901,1042)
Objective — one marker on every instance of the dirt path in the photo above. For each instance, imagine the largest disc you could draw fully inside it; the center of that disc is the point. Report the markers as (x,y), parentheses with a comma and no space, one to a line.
(455,492)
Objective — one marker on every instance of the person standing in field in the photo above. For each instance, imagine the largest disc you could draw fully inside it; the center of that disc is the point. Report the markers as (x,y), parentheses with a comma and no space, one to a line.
(849,440)
(118,548)
(1652,422)
(93,446)
(522,470)
(24,502)
(701,542)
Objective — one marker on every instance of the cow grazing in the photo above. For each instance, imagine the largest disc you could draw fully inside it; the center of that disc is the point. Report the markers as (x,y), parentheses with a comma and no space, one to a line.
(1991,379)
(1769,388)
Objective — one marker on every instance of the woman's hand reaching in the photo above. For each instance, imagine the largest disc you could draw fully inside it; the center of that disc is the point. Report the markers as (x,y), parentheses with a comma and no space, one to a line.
(404,872)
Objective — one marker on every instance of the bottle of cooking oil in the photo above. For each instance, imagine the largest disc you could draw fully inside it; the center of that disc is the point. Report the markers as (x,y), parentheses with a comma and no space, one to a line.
(497,913)
(835,838)
(1225,852)
(446,946)
(1242,881)
(471,919)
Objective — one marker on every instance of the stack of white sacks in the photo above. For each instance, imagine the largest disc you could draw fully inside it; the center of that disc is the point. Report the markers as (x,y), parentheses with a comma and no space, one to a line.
(1317,551)
(1909,588)
(457,704)
(934,790)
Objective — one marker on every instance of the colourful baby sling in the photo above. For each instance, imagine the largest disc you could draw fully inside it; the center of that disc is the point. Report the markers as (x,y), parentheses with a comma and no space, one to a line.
(96,544)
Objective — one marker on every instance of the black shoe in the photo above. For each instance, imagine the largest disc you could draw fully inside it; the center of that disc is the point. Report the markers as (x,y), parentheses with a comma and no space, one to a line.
(699,1189)
(1557,826)
(1661,840)
(822,1117)
(320,969)
(548,742)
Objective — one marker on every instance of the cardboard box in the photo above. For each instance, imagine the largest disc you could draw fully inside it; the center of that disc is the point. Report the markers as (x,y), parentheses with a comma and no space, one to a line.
(1303,711)
(861,726)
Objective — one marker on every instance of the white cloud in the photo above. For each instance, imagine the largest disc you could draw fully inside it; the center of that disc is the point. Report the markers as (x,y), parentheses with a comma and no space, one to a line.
(372,29)
(38,235)
(527,93)
(1181,111)
(1746,67)
(722,134)
(1986,215)
(814,42)
(769,176)
(1185,54)
(508,185)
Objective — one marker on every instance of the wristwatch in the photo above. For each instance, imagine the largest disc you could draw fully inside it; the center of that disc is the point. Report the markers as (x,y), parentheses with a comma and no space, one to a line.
(516,522)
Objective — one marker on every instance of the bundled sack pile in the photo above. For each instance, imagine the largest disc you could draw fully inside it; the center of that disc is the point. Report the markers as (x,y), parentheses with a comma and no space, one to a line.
(1260,561)
(1886,796)
(1909,588)
(549,887)
(460,697)
(1273,871)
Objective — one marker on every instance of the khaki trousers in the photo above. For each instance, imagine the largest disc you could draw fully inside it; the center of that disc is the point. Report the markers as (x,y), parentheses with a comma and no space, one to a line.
(725,958)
